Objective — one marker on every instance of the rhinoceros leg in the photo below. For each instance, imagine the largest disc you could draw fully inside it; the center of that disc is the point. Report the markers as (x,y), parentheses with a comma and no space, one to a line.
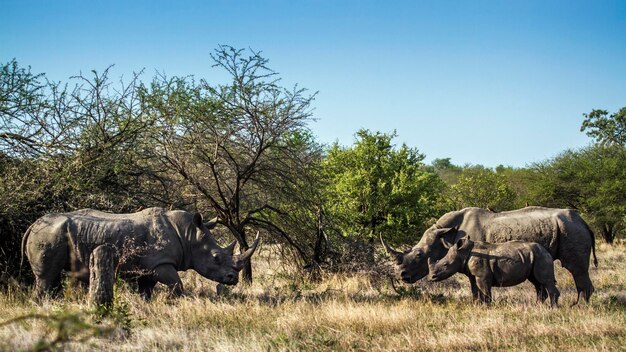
(542,292)
(554,295)
(580,272)
(542,276)
(47,266)
(44,285)
(574,255)
(583,286)
(146,286)
(547,288)
(474,287)
(484,289)
(545,291)
(168,275)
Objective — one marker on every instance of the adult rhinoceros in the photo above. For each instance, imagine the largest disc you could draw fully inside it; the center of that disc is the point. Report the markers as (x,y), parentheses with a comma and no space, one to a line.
(561,231)
(154,244)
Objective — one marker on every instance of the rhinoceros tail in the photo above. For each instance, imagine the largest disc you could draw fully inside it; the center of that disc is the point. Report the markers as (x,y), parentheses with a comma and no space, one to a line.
(22,250)
(593,244)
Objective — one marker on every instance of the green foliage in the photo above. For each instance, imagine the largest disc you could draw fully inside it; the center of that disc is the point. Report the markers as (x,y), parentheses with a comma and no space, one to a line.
(595,176)
(447,171)
(482,187)
(118,313)
(592,180)
(605,128)
(374,188)
(521,181)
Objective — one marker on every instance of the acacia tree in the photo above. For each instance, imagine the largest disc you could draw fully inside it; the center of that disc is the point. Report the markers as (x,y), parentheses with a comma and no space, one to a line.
(235,145)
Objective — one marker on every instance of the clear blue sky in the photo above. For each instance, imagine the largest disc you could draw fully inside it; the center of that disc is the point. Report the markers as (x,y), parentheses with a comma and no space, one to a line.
(481,82)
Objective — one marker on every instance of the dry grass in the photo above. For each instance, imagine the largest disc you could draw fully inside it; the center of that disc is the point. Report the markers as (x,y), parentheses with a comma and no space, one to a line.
(284,312)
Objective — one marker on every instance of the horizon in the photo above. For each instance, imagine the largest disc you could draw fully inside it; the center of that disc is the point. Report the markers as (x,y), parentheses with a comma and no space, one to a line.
(482,83)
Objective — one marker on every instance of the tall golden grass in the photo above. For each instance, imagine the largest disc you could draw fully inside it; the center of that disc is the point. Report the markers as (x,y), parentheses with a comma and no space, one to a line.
(282,311)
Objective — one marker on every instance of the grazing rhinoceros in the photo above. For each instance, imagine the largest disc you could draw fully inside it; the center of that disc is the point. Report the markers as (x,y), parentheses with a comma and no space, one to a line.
(499,264)
(561,231)
(153,245)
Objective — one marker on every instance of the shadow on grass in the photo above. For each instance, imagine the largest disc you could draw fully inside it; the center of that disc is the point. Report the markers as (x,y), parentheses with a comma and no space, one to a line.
(312,294)
(616,302)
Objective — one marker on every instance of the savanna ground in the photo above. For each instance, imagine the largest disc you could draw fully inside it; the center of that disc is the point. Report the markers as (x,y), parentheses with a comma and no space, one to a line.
(283,311)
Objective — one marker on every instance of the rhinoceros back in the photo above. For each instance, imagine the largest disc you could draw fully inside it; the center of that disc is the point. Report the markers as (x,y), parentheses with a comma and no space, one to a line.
(143,240)
(89,231)
(531,224)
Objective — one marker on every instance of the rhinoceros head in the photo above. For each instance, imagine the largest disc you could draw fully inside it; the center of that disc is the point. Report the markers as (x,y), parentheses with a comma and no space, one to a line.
(412,265)
(452,262)
(214,262)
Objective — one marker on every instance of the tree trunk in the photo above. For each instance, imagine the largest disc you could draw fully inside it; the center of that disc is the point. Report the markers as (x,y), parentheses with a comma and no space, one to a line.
(607,233)
(102,265)
(318,249)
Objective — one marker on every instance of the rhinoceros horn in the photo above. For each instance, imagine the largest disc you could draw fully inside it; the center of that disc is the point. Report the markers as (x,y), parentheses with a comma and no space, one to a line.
(397,256)
(431,264)
(243,258)
(431,269)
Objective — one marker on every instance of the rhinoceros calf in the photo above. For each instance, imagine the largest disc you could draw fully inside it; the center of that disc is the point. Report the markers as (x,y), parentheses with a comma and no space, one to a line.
(502,264)
(153,245)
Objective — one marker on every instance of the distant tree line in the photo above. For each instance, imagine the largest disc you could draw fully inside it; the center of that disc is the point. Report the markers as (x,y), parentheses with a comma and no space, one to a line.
(242,151)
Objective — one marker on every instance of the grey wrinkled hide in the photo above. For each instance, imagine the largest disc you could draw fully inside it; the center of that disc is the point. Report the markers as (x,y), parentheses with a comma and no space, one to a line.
(562,232)
(503,264)
(153,245)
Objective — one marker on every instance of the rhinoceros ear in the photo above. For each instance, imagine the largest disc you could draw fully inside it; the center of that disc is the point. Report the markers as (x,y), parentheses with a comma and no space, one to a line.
(464,242)
(231,247)
(197,220)
(460,243)
(443,231)
(211,224)
(450,236)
